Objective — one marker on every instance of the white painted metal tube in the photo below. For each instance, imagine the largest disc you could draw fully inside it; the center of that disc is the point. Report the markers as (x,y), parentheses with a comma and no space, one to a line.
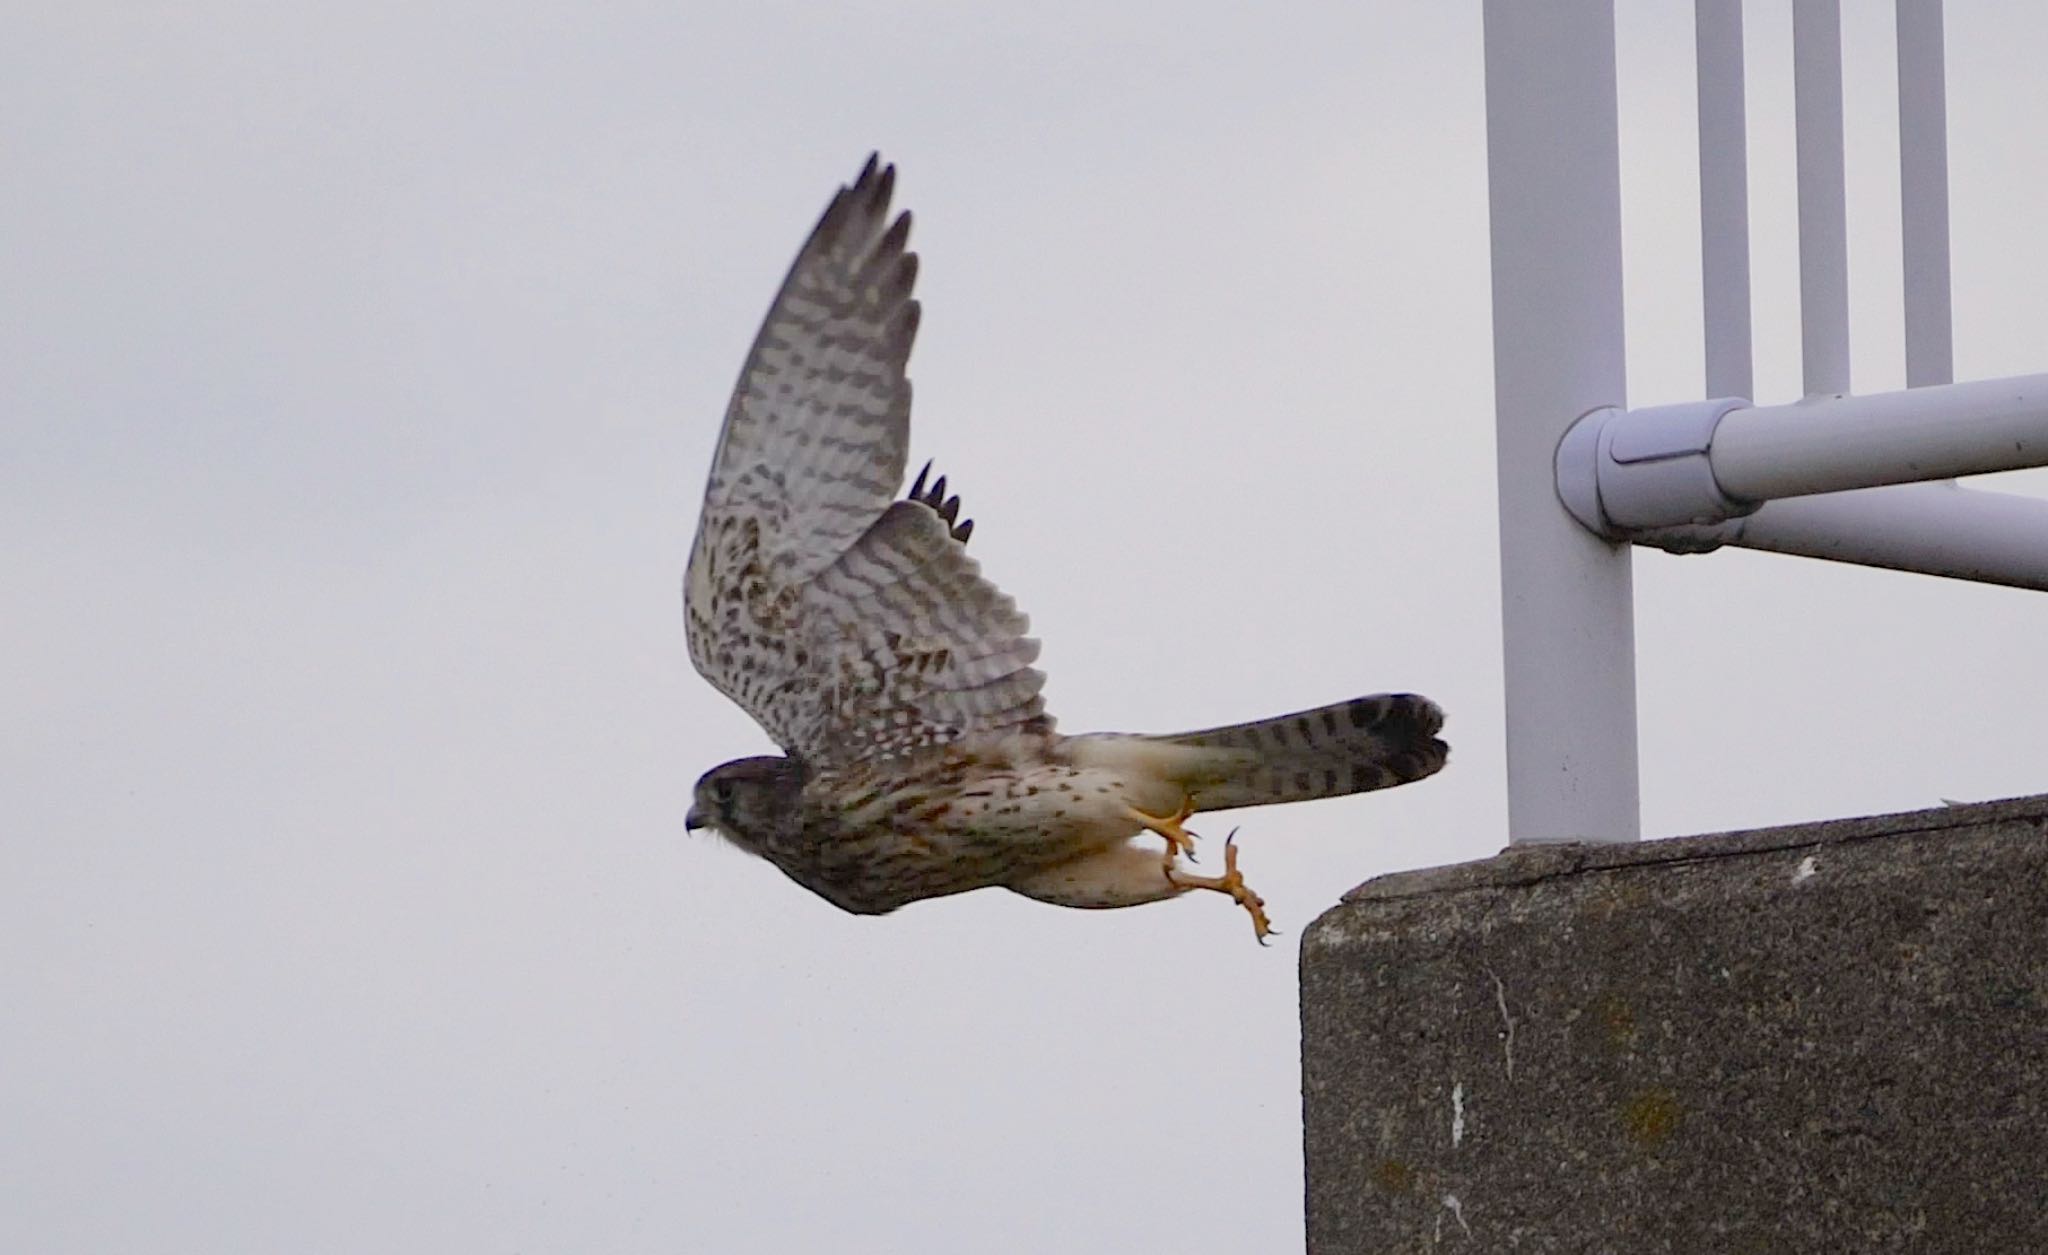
(1567,617)
(1932,529)
(1763,453)
(1724,198)
(1923,193)
(1823,215)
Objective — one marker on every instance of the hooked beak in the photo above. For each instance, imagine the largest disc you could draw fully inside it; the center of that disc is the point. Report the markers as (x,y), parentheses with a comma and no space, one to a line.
(693,821)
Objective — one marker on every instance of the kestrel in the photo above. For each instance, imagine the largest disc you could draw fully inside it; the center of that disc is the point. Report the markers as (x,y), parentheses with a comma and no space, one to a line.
(854,627)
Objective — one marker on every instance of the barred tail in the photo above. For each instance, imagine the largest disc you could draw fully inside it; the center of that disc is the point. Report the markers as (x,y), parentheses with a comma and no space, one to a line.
(1351,747)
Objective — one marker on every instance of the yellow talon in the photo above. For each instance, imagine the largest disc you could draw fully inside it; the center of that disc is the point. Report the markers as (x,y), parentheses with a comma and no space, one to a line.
(1232,883)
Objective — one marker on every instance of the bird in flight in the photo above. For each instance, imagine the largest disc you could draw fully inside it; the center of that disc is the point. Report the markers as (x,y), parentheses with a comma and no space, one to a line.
(853,625)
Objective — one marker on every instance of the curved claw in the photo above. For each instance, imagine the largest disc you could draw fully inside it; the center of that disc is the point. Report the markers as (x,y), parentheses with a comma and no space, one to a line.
(1232,883)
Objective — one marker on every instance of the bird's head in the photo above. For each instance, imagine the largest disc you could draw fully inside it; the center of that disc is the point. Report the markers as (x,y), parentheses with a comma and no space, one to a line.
(746,801)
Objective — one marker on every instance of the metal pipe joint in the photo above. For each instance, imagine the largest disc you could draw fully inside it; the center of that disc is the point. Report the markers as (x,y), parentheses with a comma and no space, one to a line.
(1624,472)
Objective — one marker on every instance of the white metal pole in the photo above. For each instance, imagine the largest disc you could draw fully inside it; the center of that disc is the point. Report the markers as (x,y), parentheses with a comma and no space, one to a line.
(1554,189)
(1933,529)
(1923,192)
(1771,451)
(1823,229)
(1724,197)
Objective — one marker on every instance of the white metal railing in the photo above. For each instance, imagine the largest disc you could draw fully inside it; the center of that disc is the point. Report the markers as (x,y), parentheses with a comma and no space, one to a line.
(1923,193)
(1724,198)
(1860,479)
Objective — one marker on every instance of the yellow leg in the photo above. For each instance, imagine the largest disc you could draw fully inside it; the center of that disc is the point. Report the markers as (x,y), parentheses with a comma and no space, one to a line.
(1232,883)
(1178,839)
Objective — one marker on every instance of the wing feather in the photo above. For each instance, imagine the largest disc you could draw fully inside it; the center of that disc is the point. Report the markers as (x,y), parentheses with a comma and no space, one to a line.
(815,436)
(847,626)
(924,650)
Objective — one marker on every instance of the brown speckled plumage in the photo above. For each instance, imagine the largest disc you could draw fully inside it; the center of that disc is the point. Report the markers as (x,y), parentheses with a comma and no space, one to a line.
(855,627)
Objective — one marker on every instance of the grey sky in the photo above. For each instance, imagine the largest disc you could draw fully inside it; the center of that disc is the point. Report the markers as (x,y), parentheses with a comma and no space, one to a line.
(359,377)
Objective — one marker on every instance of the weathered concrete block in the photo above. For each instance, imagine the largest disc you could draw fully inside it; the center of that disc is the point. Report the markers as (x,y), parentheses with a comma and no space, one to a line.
(1829,1037)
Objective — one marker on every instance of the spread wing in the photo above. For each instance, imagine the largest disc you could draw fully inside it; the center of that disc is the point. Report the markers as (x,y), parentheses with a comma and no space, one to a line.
(848,626)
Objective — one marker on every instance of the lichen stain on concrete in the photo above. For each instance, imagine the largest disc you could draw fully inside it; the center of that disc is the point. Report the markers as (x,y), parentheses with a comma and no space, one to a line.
(1393,1176)
(1620,897)
(1618,1019)
(1651,1117)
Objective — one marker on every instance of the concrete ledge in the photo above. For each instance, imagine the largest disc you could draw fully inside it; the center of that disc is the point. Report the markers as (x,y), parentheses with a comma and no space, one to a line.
(1825,1037)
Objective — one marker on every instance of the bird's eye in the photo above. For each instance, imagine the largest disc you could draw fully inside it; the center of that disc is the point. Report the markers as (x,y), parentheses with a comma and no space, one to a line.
(722,791)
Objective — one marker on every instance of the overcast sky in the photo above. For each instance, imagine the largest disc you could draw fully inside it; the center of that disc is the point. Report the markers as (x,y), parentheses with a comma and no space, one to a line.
(360,373)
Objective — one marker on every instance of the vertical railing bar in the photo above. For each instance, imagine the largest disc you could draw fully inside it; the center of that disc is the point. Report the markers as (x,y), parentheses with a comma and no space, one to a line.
(1567,617)
(1823,214)
(1724,199)
(1923,193)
